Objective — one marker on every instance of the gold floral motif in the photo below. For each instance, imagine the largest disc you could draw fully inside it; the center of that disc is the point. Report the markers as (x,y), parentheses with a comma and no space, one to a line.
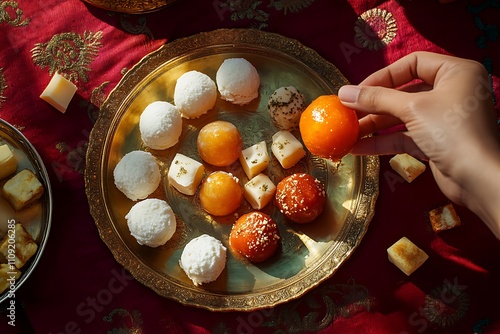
(292,6)
(75,159)
(130,322)
(313,312)
(3,87)
(68,53)
(247,9)
(132,6)
(447,304)
(375,28)
(5,17)
(96,99)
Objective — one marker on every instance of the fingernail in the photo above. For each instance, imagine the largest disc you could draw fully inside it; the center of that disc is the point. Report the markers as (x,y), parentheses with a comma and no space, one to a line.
(349,93)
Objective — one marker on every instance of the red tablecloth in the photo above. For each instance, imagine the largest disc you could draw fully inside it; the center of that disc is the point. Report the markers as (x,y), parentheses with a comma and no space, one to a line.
(456,291)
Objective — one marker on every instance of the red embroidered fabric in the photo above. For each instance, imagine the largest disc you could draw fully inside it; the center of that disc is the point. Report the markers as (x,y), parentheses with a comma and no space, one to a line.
(78,287)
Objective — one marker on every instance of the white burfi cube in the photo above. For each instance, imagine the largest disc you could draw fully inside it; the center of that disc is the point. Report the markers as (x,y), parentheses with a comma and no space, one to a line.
(287,149)
(185,174)
(59,92)
(405,255)
(407,166)
(259,191)
(254,159)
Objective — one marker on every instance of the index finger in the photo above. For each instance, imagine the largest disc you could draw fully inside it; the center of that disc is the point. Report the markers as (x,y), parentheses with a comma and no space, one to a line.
(421,65)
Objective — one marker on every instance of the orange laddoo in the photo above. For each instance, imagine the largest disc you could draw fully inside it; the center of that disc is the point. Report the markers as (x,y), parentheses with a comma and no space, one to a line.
(328,128)
(221,193)
(219,143)
(255,235)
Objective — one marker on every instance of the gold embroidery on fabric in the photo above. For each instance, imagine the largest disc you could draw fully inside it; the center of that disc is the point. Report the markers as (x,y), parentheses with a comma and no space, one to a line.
(375,28)
(17,20)
(61,147)
(446,305)
(3,87)
(96,100)
(293,6)
(129,322)
(68,53)
(311,313)
(246,9)
(75,160)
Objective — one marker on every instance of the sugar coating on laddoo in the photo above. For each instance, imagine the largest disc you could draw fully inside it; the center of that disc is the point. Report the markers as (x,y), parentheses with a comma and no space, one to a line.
(203,259)
(137,175)
(151,222)
(237,81)
(160,125)
(195,94)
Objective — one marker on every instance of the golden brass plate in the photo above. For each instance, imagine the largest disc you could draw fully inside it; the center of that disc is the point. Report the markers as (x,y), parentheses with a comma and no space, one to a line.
(308,255)
(131,7)
(37,218)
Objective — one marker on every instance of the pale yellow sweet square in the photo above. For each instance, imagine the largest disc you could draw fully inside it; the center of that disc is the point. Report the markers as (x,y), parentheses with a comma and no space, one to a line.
(444,218)
(7,273)
(59,92)
(405,255)
(25,246)
(407,166)
(22,189)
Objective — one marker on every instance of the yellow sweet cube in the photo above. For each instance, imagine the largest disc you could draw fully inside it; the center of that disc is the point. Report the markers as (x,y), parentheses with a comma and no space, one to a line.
(444,218)
(8,162)
(407,166)
(8,275)
(25,246)
(22,189)
(59,92)
(405,255)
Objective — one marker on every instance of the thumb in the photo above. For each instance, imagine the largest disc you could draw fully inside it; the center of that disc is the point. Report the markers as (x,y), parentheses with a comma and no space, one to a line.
(375,100)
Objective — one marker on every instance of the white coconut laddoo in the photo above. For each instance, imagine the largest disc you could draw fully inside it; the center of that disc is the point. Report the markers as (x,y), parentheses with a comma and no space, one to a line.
(195,94)
(203,259)
(237,81)
(285,106)
(160,125)
(137,175)
(151,222)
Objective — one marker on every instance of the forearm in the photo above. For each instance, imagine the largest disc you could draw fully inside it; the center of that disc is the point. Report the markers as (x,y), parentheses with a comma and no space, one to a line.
(482,193)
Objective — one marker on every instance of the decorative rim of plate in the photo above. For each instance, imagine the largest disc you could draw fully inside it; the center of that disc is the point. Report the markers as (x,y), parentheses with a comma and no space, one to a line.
(37,163)
(131,7)
(174,290)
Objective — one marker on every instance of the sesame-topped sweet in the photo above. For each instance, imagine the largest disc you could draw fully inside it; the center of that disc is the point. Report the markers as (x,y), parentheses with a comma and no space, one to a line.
(285,106)
(300,197)
(255,235)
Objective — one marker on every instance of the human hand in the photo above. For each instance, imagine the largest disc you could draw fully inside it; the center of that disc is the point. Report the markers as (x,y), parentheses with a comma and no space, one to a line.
(446,107)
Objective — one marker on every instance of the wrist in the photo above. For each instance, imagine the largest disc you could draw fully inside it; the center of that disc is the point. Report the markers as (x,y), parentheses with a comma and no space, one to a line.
(482,192)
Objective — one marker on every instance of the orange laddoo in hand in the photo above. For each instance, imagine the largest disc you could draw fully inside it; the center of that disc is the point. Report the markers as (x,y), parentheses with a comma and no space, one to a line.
(219,143)
(328,128)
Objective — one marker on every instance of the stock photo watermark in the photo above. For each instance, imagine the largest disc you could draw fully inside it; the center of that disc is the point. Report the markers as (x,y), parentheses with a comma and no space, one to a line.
(12,272)
(252,321)
(443,306)
(88,310)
